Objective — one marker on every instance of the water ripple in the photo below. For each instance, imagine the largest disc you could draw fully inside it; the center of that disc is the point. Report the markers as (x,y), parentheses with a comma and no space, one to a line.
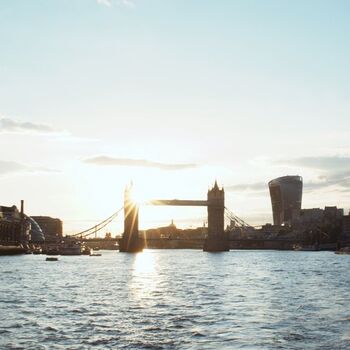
(176,299)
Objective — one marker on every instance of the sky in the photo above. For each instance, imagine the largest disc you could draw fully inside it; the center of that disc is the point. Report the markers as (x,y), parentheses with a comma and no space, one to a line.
(172,95)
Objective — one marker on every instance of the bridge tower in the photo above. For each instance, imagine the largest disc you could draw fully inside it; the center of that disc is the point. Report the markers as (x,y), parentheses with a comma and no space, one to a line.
(217,239)
(130,241)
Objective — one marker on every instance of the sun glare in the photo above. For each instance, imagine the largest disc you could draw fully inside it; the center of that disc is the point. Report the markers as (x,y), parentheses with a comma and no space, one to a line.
(139,196)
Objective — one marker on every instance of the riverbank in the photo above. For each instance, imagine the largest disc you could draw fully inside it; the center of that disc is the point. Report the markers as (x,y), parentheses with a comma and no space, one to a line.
(12,249)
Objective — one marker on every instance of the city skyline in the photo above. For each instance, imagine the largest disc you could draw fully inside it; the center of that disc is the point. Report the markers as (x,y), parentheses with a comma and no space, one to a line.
(172,95)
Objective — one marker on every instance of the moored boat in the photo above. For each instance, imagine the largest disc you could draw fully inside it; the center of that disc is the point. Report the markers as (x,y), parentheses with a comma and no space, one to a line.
(86,250)
(37,250)
(306,248)
(95,254)
(343,251)
(70,250)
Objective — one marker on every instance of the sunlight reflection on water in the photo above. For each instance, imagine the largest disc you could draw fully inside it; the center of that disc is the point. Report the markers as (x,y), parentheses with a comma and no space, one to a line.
(145,278)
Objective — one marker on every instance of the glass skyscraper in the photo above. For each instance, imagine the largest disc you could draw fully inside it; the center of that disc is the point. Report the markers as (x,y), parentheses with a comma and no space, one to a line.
(286,194)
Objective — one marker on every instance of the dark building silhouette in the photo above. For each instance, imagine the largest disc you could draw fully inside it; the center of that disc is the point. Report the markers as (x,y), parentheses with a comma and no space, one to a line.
(10,225)
(216,208)
(345,235)
(327,216)
(319,225)
(51,227)
(286,194)
(130,241)
(172,232)
(217,239)
(17,227)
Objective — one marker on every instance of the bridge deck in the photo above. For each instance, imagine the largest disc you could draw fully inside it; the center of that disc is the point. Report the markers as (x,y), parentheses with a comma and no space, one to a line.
(179,202)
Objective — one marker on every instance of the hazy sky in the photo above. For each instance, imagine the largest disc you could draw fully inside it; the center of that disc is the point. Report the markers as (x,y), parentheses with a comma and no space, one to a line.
(172,94)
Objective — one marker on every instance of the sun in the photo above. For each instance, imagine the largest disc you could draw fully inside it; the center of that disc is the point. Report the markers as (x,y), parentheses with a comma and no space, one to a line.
(138,195)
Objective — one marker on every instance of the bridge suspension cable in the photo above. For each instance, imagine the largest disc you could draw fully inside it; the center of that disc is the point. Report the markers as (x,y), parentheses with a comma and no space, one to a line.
(238,221)
(94,229)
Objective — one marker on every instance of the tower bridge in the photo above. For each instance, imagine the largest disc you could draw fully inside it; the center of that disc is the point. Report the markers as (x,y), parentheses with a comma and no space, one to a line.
(216,240)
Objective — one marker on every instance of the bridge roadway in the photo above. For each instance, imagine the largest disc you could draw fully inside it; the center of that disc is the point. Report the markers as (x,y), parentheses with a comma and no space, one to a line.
(179,202)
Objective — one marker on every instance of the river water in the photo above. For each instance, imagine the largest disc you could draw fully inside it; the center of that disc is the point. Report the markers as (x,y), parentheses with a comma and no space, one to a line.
(176,299)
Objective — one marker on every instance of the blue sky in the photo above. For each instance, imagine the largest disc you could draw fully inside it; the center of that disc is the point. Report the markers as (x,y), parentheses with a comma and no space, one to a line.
(175,94)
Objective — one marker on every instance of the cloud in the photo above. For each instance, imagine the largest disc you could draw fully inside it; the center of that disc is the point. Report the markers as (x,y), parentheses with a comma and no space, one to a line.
(320,163)
(341,180)
(11,167)
(11,125)
(20,127)
(252,187)
(110,161)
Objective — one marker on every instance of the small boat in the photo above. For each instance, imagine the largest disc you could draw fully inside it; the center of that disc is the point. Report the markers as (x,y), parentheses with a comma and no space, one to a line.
(306,248)
(343,251)
(95,254)
(70,248)
(86,250)
(37,250)
(51,258)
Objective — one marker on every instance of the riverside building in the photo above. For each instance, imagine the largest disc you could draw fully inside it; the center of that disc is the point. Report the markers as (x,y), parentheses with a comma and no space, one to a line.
(51,227)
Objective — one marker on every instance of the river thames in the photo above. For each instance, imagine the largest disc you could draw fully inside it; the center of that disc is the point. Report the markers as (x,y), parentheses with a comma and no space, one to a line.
(176,299)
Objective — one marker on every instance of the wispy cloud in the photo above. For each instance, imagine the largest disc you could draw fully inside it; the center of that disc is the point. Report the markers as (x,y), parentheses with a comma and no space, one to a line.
(251,187)
(12,125)
(329,163)
(11,167)
(17,126)
(340,180)
(111,161)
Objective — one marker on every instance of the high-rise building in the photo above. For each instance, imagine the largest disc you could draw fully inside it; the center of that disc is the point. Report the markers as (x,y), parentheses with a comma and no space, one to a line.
(286,194)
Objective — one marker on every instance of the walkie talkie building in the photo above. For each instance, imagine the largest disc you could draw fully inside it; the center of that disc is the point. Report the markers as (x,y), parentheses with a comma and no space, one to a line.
(286,194)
